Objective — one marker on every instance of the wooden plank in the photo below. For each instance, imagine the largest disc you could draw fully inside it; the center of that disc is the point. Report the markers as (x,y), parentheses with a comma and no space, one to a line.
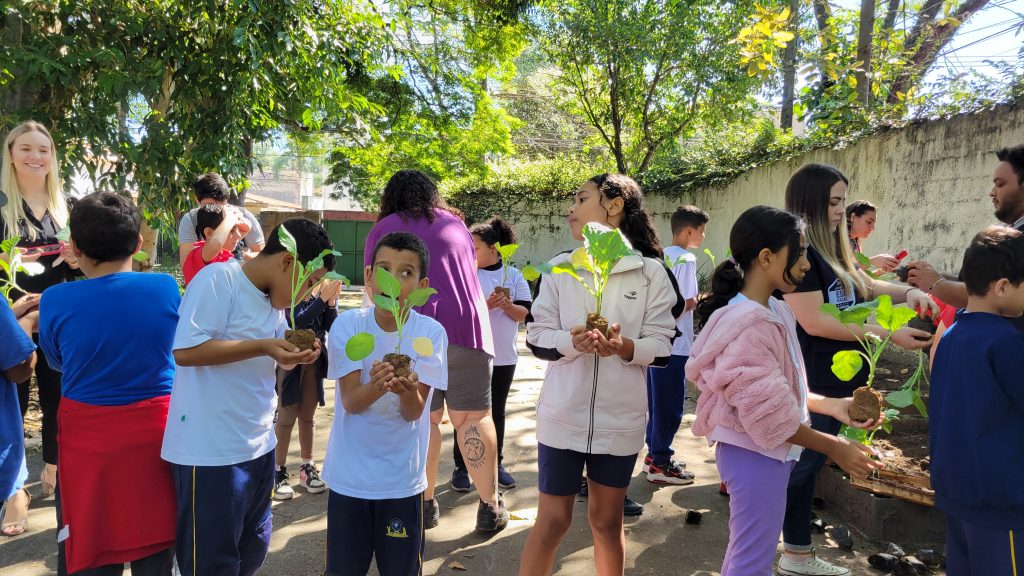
(910,493)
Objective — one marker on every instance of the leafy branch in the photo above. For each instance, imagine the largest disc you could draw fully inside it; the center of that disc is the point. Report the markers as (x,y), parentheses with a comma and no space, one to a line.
(301,272)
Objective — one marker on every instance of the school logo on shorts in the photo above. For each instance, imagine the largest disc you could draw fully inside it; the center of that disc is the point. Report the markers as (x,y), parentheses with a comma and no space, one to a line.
(396,529)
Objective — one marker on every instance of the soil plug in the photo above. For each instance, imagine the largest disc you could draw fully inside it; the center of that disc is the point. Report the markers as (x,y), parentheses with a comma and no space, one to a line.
(693,516)
(843,538)
(882,561)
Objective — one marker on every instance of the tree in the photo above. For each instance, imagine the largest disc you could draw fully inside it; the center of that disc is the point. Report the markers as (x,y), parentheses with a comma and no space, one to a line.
(149,94)
(645,73)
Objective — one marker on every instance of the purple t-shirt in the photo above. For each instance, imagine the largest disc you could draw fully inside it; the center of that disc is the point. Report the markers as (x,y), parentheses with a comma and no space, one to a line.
(459,304)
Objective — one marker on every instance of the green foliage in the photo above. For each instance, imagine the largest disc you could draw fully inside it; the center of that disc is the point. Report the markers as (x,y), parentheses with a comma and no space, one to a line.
(644,74)
(389,299)
(11,265)
(506,252)
(910,392)
(602,249)
(302,271)
(867,437)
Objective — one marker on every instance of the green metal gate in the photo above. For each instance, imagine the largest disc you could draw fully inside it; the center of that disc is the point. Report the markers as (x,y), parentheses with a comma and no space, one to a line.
(349,237)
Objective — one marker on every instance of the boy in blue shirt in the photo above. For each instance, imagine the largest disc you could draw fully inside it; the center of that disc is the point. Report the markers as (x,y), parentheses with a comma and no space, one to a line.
(17,361)
(110,335)
(376,456)
(977,413)
(220,428)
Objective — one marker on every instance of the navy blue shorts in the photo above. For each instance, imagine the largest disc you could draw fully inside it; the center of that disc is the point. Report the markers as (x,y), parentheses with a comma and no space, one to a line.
(358,528)
(224,519)
(561,471)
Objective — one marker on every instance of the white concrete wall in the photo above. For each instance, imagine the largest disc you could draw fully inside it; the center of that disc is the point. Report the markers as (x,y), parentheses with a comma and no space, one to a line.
(930,182)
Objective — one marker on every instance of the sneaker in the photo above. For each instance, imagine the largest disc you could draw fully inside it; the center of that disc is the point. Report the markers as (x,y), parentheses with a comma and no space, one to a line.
(460,480)
(505,480)
(584,490)
(630,508)
(431,514)
(648,460)
(671,474)
(309,478)
(490,518)
(282,491)
(813,566)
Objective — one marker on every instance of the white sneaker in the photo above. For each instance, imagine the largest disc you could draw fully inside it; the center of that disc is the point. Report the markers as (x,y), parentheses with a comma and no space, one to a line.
(813,566)
(282,491)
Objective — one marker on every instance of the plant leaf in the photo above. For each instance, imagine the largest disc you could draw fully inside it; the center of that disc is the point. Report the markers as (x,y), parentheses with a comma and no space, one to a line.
(846,364)
(832,310)
(359,346)
(919,404)
(506,251)
(900,398)
(530,273)
(581,260)
(606,246)
(140,256)
(10,243)
(890,317)
(386,302)
(387,283)
(858,435)
(419,297)
(332,275)
(423,346)
(288,241)
(31,268)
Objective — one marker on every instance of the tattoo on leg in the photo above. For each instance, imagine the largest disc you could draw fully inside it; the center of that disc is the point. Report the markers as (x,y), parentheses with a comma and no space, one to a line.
(474,451)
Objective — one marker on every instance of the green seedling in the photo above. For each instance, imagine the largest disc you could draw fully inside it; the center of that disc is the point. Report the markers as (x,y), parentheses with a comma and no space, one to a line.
(870,269)
(11,264)
(300,275)
(591,266)
(506,252)
(362,344)
(848,363)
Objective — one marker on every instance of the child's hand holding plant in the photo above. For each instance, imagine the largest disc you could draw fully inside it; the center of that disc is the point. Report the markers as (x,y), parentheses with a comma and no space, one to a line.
(288,355)
(381,375)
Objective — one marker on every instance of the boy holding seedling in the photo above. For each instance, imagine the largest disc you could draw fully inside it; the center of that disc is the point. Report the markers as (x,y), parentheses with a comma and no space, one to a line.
(977,413)
(221,227)
(666,387)
(376,457)
(220,427)
(115,391)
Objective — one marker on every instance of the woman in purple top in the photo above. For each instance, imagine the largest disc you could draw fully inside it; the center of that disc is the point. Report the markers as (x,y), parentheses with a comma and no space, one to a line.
(411,203)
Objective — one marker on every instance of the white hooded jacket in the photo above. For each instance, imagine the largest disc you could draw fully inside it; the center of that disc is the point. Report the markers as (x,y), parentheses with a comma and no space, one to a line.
(599,405)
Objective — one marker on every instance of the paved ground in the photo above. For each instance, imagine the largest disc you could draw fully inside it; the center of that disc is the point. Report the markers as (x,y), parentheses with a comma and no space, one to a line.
(659,542)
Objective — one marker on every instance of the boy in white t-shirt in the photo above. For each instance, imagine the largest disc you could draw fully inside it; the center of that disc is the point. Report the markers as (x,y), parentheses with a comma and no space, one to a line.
(220,424)
(666,387)
(376,462)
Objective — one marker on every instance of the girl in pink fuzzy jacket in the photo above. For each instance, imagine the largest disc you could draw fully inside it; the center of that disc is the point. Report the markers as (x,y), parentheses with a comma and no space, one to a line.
(754,400)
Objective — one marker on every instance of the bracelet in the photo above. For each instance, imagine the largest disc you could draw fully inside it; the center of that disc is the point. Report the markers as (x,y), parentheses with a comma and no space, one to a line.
(906,293)
(937,282)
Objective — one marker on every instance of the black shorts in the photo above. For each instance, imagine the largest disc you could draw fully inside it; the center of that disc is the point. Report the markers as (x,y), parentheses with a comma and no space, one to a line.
(357,529)
(561,471)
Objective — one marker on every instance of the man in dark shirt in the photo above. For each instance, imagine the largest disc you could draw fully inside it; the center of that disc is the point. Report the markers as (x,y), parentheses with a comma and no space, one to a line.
(1008,199)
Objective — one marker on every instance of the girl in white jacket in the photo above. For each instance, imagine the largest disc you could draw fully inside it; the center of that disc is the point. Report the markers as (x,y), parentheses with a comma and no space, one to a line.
(593,404)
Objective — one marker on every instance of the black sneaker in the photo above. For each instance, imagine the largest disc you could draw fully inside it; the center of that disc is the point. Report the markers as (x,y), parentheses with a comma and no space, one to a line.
(460,480)
(431,514)
(282,491)
(584,488)
(505,480)
(490,518)
(630,508)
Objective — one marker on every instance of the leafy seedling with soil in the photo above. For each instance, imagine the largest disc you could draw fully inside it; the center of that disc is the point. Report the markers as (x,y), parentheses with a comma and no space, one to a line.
(506,252)
(362,344)
(867,402)
(304,338)
(602,249)
(11,265)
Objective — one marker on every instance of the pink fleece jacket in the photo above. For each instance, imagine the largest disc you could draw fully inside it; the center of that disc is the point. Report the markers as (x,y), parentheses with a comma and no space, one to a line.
(749,369)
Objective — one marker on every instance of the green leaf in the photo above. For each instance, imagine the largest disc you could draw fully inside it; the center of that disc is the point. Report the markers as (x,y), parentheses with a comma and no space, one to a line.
(858,435)
(288,241)
(359,346)
(560,268)
(919,404)
(900,398)
(506,251)
(387,283)
(140,256)
(419,296)
(386,302)
(10,243)
(605,245)
(332,275)
(846,364)
(890,317)
(530,273)
(831,309)
(857,314)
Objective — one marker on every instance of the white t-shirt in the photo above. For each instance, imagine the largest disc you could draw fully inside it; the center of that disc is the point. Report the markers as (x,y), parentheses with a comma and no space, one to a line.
(377,454)
(503,328)
(686,276)
(223,415)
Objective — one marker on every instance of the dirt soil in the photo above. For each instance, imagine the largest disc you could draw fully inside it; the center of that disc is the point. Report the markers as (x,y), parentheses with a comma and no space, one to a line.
(303,339)
(598,322)
(400,362)
(867,405)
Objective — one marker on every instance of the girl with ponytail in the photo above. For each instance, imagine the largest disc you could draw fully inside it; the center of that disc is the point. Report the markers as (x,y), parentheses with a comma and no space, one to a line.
(592,409)
(754,400)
